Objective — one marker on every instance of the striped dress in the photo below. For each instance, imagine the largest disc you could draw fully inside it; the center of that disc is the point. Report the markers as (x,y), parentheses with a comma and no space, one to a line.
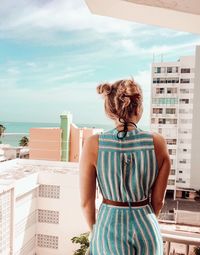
(126,171)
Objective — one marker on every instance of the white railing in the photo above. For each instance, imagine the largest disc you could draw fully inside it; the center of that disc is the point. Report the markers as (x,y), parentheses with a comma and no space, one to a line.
(180,239)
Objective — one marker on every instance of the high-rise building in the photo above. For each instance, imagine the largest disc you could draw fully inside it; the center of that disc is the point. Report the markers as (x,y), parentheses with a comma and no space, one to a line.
(174,114)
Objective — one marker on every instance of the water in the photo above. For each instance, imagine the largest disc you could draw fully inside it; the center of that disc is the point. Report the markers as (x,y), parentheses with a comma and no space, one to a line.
(16,130)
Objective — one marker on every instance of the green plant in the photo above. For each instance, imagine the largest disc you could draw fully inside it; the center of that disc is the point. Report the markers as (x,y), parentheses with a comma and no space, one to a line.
(83,241)
(197,250)
(24,141)
(2,129)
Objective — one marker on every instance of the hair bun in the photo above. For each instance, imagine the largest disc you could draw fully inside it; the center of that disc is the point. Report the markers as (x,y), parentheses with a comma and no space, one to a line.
(104,89)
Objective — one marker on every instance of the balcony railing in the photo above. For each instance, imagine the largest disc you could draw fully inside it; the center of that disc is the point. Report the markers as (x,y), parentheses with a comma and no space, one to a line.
(187,240)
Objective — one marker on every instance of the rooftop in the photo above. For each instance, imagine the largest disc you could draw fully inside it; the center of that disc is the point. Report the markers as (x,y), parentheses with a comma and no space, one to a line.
(16,169)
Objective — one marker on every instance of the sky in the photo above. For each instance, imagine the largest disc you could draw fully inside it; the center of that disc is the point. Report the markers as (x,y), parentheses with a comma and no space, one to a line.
(54,53)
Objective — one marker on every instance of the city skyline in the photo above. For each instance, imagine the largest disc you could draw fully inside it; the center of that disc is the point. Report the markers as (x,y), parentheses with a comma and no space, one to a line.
(55,53)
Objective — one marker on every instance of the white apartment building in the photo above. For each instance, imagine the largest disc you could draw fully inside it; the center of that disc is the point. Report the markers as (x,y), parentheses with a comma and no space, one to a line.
(174,114)
(39,207)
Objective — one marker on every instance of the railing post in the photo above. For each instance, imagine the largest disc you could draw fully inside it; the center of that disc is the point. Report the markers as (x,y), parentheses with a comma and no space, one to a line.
(187,249)
(168,244)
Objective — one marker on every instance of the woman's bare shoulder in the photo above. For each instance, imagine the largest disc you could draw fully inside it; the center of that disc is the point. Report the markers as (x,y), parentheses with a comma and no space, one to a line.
(159,140)
(160,146)
(92,142)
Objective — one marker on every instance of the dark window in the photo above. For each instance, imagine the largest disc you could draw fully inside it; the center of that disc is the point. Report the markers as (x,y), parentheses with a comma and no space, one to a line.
(158,69)
(185,70)
(185,80)
(169,69)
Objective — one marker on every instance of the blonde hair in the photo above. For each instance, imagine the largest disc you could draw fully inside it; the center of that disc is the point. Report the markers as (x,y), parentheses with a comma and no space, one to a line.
(121,98)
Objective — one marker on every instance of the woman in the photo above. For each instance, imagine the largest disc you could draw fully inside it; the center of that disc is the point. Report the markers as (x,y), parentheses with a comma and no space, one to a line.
(130,165)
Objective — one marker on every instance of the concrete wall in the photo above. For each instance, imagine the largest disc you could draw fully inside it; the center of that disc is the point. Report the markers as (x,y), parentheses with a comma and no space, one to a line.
(76,136)
(45,143)
(195,165)
(77,139)
(71,220)
(188,217)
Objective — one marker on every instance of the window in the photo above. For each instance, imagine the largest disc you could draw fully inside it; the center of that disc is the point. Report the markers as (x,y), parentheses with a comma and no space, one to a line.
(171,121)
(172,172)
(183,161)
(184,101)
(163,80)
(171,90)
(160,90)
(185,81)
(173,80)
(172,151)
(161,121)
(171,141)
(170,110)
(169,101)
(185,70)
(171,182)
(157,110)
(158,69)
(169,69)
(180,172)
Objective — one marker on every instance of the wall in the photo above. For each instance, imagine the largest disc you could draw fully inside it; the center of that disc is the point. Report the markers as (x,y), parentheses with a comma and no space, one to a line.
(75,144)
(45,143)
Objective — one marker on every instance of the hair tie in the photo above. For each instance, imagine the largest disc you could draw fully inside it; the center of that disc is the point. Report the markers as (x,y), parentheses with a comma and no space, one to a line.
(125,130)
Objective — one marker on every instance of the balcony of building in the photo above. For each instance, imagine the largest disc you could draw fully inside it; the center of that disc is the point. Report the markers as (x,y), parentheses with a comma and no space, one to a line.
(38,190)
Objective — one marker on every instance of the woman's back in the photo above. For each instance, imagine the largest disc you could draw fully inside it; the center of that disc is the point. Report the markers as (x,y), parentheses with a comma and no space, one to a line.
(131,159)
(126,171)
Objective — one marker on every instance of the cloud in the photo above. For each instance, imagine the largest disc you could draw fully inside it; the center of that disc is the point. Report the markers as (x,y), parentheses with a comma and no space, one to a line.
(43,19)
(50,21)
(133,48)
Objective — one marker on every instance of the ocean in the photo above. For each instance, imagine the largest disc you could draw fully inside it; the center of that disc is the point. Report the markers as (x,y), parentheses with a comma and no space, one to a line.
(16,130)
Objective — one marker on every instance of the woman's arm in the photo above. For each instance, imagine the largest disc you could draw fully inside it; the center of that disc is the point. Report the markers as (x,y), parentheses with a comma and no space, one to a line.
(87,178)
(164,165)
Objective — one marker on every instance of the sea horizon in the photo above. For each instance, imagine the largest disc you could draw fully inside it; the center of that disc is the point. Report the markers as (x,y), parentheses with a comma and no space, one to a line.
(15,130)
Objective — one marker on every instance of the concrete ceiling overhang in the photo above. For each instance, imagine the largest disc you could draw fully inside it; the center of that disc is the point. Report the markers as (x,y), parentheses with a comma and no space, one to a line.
(183,15)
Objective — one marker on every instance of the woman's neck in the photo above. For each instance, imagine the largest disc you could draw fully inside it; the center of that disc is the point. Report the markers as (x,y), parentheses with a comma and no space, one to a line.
(131,125)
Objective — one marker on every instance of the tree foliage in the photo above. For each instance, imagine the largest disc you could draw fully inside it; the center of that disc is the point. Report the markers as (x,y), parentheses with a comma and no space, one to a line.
(197,250)
(24,141)
(2,129)
(83,241)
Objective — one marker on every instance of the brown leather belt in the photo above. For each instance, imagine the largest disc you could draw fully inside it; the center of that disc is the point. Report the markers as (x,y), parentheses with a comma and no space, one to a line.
(119,203)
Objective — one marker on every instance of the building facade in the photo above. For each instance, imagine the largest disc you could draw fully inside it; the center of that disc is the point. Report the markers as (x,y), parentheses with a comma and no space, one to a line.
(173,114)
(63,143)
(39,207)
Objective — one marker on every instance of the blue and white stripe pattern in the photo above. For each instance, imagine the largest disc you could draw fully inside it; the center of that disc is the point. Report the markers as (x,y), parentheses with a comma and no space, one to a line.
(130,162)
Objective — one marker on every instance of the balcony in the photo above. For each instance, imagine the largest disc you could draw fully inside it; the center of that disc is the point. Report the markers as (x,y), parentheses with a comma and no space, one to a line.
(185,239)
(43,187)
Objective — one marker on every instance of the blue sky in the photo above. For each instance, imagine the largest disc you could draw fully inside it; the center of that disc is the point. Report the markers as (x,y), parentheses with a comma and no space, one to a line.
(53,54)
